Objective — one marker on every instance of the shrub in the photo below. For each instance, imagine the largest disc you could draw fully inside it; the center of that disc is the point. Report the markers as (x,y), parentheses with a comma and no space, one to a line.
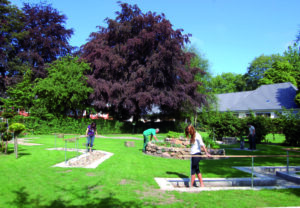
(225,124)
(261,125)
(3,127)
(17,128)
(6,136)
(210,143)
(290,124)
(173,134)
(79,126)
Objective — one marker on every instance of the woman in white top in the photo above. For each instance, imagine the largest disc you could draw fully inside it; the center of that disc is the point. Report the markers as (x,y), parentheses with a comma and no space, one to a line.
(196,144)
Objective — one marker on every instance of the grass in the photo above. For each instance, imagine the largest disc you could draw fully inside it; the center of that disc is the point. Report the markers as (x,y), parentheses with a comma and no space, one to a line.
(276,138)
(126,179)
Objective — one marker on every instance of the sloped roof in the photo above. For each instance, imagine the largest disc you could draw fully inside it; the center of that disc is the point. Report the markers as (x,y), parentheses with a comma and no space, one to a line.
(266,97)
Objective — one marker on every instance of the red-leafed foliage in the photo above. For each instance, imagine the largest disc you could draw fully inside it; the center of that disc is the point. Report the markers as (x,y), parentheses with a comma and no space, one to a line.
(137,62)
(46,39)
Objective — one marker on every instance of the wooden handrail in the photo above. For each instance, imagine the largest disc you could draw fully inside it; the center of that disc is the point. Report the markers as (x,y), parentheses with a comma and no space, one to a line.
(247,156)
(292,149)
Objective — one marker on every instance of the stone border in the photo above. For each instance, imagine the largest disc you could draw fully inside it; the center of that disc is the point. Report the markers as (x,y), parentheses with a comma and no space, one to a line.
(166,183)
(85,154)
(290,176)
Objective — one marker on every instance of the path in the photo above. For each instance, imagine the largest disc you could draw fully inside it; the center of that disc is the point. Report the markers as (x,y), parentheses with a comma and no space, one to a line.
(136,138)
(25,141)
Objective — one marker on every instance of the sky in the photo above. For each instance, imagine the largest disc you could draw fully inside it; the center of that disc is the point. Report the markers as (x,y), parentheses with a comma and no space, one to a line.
(230,34)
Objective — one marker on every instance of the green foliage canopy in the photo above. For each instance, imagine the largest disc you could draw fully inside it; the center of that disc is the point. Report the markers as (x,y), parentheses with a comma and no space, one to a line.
(228,82)
(21,95)
(17,128)
(65,88)
(257,67)
(279,73)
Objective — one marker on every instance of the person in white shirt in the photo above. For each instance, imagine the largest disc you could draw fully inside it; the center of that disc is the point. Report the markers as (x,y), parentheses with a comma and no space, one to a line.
(196,144)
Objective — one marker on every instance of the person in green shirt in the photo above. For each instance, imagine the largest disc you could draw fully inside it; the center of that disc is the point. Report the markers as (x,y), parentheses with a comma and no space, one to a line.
(149,132)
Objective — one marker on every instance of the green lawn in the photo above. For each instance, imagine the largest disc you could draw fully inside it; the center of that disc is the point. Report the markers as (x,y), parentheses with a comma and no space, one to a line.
(276,138)
(126,179)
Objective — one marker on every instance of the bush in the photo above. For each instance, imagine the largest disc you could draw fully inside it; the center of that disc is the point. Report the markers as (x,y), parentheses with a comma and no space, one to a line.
(290,125)
(6,136)
(3,127)
(173,134)
(261,125)
(210,143)
(17,128)
(79,126)
(225,124)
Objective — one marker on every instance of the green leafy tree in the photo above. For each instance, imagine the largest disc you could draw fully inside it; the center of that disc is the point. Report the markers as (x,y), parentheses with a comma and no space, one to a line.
(204,77)
(257,67)
(65,88)
(17,129)
(290,123)
(280,72)
(21,95)
(293,56)
(5,136)
(228,82)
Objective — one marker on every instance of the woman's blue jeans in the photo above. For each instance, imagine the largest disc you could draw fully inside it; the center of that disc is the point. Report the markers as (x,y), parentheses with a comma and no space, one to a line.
(90,141)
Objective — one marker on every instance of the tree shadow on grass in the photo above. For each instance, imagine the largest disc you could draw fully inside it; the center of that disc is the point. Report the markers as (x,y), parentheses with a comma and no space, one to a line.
(23,199)
(295,192)
(180,175)
(21,151)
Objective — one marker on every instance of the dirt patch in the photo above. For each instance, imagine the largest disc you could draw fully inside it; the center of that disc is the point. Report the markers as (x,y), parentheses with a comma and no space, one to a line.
(66,171)
(91,174)
(161,196)
(126,182)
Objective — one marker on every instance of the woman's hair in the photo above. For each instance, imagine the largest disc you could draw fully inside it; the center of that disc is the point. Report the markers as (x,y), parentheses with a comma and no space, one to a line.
(190,130)
(93,126)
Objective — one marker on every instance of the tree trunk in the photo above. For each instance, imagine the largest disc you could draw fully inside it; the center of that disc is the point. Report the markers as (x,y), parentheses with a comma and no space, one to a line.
(16,146)
(75,114)
(2,142)
(6,144)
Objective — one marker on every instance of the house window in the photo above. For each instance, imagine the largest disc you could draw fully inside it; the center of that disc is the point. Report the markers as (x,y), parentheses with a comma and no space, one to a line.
(268,115)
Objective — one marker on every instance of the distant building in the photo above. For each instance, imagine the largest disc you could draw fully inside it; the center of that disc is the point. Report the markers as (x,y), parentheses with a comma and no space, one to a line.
(264,101)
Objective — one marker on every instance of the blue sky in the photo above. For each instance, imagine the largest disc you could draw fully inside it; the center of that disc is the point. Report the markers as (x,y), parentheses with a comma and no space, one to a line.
(230,33)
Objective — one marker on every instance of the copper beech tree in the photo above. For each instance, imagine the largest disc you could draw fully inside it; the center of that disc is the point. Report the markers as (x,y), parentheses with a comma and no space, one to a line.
(46,39)
(138,62)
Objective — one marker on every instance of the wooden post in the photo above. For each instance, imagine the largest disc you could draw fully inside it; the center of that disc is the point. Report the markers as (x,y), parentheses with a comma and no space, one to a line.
(15,145)
(252,172)
(287,161)
(65,151)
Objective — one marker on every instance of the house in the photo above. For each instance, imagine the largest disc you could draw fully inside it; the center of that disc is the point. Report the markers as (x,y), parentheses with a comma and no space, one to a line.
(265,100)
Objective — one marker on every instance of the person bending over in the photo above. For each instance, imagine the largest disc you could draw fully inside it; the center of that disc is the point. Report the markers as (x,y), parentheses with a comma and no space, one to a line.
(149,132)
